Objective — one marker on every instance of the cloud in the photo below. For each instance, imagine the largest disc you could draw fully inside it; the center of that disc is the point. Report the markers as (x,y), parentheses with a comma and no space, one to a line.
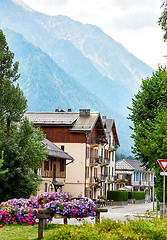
(136,20)
(131,22)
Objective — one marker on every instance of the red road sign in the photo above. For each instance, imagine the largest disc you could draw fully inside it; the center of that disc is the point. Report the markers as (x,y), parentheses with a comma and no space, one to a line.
(163,164)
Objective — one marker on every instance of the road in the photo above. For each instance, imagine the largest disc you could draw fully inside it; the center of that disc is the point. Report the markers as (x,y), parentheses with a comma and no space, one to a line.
(116,213)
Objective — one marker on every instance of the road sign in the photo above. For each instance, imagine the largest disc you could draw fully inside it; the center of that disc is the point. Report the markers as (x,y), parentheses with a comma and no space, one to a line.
(163,164)
(163,173)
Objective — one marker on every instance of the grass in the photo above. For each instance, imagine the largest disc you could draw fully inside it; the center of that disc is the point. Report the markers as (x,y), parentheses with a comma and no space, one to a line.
(21,232)
(153,229)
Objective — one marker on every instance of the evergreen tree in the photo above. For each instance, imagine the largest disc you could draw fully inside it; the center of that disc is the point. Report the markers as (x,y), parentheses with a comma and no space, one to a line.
(13,104)
(22,149)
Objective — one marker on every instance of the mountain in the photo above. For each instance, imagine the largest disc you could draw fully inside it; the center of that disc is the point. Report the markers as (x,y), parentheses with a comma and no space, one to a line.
(84,51)
(67,64)
(44,83)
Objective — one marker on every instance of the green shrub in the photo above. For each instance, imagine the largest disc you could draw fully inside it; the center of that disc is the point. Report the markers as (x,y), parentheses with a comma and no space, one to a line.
(117,195)
(136,195)
(101,197)
(112,230)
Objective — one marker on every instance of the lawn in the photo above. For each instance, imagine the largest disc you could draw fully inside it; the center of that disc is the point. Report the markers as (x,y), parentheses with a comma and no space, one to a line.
(107,229)
(21,232)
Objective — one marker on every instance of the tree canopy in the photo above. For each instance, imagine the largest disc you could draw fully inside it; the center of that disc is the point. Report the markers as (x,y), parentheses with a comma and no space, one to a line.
(21,147)
(13,104)
(149,117)
(162,21)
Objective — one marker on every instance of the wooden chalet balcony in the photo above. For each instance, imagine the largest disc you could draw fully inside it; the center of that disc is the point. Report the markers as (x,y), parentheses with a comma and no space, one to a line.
(112,147)
(101,178)
(93,161)
(94,142)
(103,161)
(93,181)
(107,161)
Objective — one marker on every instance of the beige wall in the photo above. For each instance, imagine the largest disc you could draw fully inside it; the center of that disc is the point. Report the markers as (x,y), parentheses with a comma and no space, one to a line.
(75,172)
(47,182)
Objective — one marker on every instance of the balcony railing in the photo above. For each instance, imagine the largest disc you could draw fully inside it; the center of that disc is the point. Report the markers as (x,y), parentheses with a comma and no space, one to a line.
(94,160)
(101,178)
(94,141)
(104,161)
(94,180)
(101,160)
(113,147)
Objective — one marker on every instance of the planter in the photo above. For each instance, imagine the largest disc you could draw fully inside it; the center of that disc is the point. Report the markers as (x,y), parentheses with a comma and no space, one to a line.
(56,215)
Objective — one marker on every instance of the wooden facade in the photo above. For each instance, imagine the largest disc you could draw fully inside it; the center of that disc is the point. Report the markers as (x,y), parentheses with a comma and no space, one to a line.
(62,134)
(54,168)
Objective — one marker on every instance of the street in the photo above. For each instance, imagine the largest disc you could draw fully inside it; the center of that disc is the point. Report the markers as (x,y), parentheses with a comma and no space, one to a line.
(115,213)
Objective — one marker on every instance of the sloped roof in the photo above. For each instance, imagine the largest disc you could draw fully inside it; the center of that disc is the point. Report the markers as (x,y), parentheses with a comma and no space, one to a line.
(55,151)
(128,166)
(136,164)
(110,125)
(75,121)
(52,118)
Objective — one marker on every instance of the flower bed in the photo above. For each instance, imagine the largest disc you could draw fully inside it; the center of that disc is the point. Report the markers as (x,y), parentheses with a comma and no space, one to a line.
(25,211)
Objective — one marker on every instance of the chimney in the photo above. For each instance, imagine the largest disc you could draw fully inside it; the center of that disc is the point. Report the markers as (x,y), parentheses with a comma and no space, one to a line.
(69,110)
(57,110)
(84,112)
(104,117)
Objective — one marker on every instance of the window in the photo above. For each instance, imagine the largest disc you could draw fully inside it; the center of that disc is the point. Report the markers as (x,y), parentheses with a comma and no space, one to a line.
(87,172)
(134,174)
(101,152)
(109,141)
(109,172)
(46,165)
(51,162)
(109,156)
(46,187)
(87,152)
(95,172)
(62,165)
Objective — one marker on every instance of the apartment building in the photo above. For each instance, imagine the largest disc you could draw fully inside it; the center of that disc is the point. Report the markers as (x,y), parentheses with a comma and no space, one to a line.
(132,173)
(90,141)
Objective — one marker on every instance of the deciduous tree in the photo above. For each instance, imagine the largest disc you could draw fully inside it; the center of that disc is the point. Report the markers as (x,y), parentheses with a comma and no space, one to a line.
(162,21)
(149,117)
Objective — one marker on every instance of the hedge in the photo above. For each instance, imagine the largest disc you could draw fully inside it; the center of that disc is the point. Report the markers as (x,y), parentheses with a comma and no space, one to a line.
(124,196)
(117,195)
(136,195)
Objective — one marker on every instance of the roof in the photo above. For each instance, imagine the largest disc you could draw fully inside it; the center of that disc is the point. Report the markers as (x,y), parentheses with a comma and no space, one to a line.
(109,124)
(127,166)
(52,118)
(75,121)
(57,184)
(55,151)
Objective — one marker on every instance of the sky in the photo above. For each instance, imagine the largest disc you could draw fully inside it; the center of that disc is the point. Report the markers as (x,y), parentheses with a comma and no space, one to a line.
(133,23)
